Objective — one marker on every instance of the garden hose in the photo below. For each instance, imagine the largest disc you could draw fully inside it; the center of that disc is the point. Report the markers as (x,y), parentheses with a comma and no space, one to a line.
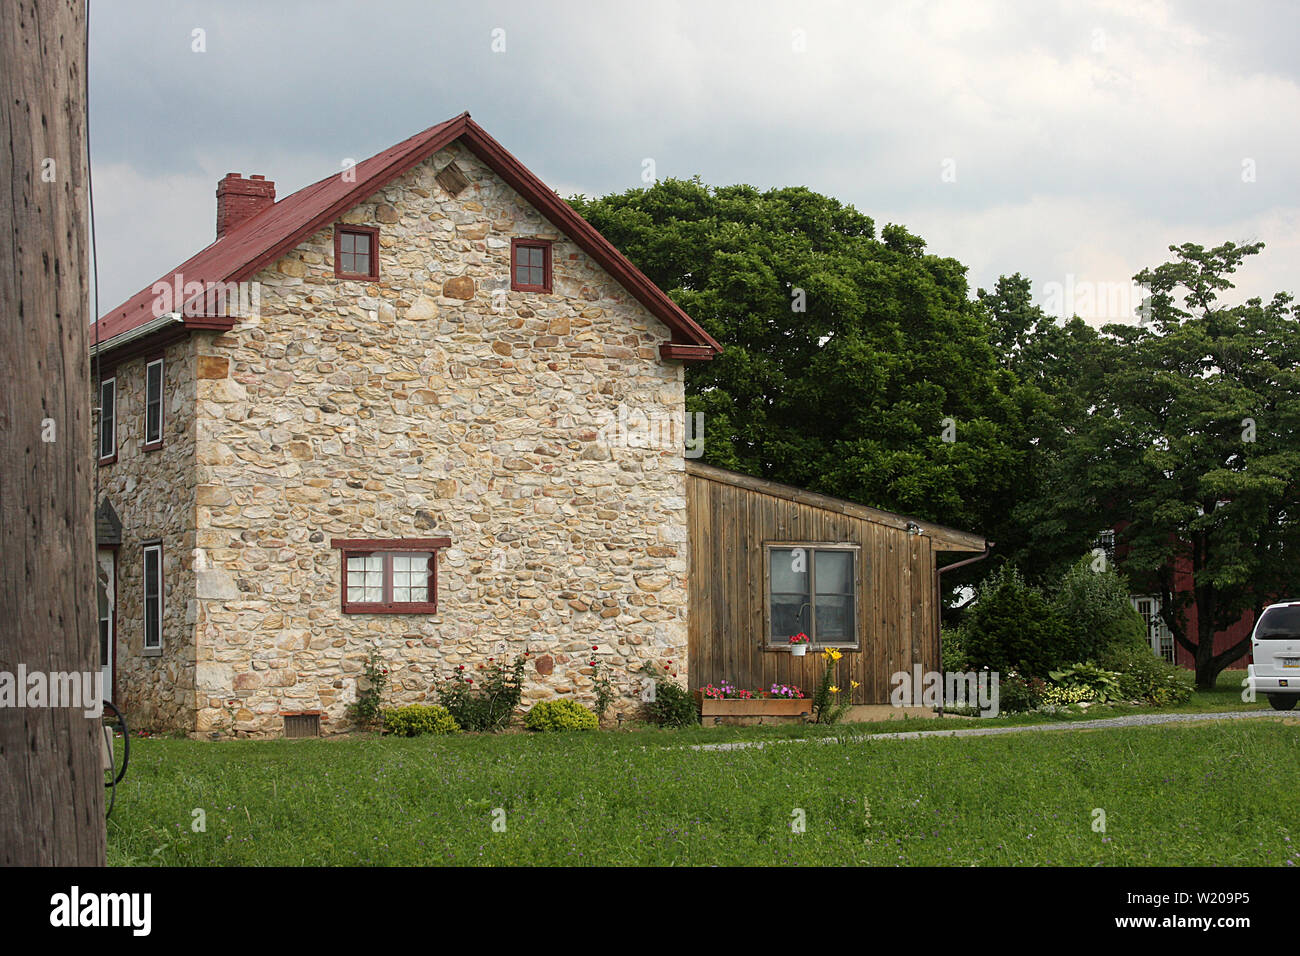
(111,785)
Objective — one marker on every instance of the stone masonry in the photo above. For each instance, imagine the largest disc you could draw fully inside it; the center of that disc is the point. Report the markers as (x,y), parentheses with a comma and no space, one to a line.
(432,402)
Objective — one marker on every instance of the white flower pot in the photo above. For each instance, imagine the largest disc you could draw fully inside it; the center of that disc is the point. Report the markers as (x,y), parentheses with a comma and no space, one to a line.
(798,650)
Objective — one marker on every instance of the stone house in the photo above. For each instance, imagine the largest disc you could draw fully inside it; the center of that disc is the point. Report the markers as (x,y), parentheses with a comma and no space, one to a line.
(420,406)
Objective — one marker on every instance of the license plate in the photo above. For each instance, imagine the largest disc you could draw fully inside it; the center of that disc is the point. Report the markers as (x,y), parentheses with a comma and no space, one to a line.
(1291,662)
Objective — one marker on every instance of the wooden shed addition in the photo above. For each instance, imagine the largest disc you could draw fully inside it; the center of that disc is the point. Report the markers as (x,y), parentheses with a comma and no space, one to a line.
(768,561)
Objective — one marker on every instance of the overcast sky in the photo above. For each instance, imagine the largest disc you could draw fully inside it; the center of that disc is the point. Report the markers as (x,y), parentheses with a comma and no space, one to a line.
(1072,142)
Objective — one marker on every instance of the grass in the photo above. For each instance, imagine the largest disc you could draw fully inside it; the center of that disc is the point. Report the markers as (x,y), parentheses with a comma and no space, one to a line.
(1179,795)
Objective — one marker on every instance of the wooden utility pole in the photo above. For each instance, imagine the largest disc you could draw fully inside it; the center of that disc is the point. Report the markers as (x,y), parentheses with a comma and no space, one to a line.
(51,777)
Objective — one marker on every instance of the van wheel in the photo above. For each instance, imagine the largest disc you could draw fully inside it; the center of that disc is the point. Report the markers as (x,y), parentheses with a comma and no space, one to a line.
(1282,701)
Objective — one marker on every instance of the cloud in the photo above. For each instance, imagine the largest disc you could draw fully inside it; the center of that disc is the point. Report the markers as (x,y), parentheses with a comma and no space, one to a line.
(1085,138)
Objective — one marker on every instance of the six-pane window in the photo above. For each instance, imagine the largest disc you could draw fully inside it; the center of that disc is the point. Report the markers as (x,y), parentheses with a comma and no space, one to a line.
(108,418)
(153,596)
(812,589)
(355,253)
(153,403)
(530,265)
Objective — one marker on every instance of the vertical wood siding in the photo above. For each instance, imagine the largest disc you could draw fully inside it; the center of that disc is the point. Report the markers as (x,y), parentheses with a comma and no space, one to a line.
(897,615)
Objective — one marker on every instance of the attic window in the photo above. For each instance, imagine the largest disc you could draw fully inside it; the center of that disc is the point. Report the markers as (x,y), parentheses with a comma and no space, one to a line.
(356,252)
(530,265)
(452,179)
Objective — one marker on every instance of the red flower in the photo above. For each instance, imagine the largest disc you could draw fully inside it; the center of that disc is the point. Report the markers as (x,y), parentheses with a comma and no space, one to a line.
(469,680)
(595,648)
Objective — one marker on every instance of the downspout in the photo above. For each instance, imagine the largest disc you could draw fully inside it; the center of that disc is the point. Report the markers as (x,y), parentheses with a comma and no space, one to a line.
(938,599)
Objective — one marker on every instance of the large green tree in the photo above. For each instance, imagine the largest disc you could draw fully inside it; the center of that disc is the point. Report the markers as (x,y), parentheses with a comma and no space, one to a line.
(855,365)
(1194,441)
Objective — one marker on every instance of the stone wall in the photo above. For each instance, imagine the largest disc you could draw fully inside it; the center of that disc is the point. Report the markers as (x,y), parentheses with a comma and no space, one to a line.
(153,493)
(436,402)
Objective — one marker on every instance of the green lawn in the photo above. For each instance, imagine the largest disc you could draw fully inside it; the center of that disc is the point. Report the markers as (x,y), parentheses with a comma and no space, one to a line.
(1178,795)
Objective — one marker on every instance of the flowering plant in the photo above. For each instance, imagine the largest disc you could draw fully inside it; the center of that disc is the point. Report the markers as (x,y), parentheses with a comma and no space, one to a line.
(800,638)
(725,690)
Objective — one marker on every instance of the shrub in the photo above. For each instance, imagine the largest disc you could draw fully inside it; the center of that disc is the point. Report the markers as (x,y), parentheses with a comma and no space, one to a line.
(417,719)
(560,715)
(1095,612)
(365,710)
(1018,694)
(485,704)
(1012,627)
(670,704)
(1095,682)
(1145,677)
(954,649)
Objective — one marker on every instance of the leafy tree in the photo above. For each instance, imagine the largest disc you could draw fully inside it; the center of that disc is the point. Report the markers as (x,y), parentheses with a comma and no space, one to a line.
(845,352)
(1195,443)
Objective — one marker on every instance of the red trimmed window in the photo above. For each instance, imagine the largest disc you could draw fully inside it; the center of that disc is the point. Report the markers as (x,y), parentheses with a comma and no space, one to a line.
(530,265)
(390,575)
(356,252)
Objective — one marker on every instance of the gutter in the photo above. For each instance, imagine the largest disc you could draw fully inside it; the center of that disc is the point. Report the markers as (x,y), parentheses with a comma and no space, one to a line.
(139,332)
(938,600)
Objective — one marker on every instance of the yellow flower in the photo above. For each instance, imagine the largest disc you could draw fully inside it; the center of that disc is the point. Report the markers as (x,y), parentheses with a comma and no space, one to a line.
(854,684)
(835,655)
(834,690)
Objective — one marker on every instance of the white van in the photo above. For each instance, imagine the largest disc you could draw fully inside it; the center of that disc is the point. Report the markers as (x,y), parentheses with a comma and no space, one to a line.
(1275,644)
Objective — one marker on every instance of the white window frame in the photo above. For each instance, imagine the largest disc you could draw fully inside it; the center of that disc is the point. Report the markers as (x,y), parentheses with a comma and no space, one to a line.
(111,408)
(150,442)
(155,546)
(1159,637)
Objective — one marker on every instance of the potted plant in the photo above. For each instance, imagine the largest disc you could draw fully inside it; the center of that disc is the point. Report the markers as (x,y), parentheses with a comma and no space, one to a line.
(724,702)
(799,644)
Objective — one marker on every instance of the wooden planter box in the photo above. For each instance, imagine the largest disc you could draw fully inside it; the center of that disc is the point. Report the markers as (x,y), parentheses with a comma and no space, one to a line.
(761,710)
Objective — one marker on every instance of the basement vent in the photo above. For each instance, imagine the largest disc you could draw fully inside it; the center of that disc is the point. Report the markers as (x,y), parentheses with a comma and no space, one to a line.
(452,179)
(301,725)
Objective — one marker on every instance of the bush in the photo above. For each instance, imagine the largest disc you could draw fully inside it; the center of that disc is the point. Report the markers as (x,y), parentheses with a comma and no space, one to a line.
(1145,677)
(1089,680)
(417,719)
(488,703)
(370,692)
(1012,627)
(560,715)
(1095,613)
(1018,694)
(671,705)
(954,650)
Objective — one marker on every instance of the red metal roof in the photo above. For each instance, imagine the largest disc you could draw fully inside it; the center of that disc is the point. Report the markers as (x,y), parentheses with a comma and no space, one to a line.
(267,236)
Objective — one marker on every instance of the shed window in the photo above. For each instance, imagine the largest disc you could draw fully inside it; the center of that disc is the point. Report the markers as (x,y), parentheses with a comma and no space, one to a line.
(813,588)
(390,576)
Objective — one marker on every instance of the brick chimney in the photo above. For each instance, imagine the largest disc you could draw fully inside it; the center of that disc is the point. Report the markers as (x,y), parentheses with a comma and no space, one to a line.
(240,199)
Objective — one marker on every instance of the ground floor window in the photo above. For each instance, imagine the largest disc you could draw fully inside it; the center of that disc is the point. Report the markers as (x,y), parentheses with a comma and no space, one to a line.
(153,598)
(812,587)
(1159,636)
(390,575)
